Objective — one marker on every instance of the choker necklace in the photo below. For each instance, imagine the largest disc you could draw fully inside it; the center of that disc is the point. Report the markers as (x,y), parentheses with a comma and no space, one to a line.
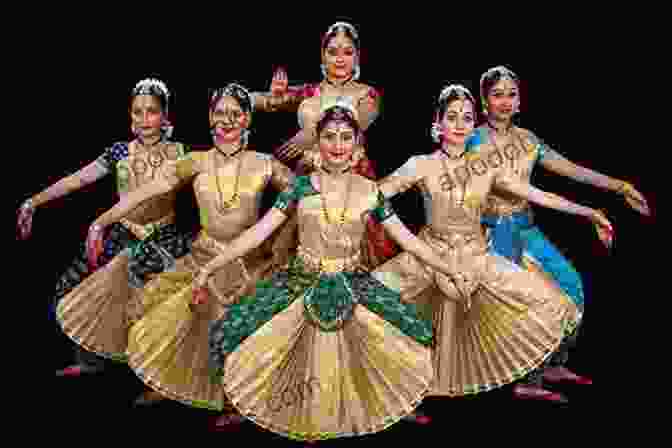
(231,154)
(347,169)
(338,85)
(505,132)
(454,157)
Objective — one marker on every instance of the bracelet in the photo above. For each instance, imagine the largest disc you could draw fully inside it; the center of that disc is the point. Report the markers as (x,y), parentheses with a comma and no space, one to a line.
(626,188)
(28,204)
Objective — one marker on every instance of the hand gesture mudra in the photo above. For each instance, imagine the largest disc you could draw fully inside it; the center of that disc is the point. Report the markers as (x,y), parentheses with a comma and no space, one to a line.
(24,222)
(279,83)
(604,228)
(635,199)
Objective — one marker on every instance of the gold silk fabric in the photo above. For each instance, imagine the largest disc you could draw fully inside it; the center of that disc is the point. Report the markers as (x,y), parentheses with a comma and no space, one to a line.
(498,322)
(293,378)
(168,344)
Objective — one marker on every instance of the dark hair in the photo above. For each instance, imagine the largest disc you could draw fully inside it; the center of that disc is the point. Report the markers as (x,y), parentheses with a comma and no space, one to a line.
(446,101)
(333,32)
(236,91)
(493,79)
(337,113)
(153,90)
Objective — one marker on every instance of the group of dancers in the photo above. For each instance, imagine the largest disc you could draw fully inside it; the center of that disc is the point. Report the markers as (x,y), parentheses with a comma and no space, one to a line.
(327,317)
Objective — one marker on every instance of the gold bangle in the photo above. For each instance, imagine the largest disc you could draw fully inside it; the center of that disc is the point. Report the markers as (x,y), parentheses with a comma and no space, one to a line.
(626,188)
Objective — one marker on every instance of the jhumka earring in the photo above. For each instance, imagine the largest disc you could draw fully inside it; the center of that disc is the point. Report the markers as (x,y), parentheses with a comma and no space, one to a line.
(356,72)
(436,132)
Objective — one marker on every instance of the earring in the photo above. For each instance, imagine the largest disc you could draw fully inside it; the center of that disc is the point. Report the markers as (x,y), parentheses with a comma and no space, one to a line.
(245,137)
(436,132)
(324,71)
(356,72)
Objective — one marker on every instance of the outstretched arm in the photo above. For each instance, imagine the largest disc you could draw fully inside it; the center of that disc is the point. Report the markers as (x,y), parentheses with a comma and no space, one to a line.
(550,200)
(405,177)
(556,163)
(87,175)
(173,174)
(168,181)
(402,235)
(247,241)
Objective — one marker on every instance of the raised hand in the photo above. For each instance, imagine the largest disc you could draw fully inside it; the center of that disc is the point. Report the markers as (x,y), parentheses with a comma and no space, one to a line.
(25,219)
(635,199)
(279,83)
(605,231)
(94,245)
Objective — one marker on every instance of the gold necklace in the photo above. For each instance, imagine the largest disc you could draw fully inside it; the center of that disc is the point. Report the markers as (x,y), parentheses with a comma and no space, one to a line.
(324,263)
(341,220)
(452,184)
(225,205)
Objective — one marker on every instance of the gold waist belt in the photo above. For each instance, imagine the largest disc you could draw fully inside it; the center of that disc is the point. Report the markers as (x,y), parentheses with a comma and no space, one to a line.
(329,264)
(460,239)
(506,208)
(143,231)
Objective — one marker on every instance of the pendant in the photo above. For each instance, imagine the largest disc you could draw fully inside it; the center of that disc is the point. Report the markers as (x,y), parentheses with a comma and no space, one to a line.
(155,158)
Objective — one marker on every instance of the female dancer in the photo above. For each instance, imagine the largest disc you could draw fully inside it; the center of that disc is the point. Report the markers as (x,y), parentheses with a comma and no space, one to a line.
(341,70)
(129,249)
(495,322)
(168,344)
(324,325)
(509,219)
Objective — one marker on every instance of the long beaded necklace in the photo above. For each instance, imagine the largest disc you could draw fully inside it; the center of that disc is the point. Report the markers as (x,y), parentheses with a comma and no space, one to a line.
(223,204)
(340,223)
(448,185)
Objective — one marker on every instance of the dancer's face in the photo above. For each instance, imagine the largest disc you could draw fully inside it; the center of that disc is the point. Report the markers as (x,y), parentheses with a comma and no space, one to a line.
(146,116)
(337,142)
(229,120)
(339,56)
(503,100)
(458,121)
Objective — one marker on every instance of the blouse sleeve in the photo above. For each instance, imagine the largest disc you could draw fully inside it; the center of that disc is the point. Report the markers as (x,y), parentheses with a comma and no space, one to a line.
(383,209)
(289,198)
(405,177)
(112,155)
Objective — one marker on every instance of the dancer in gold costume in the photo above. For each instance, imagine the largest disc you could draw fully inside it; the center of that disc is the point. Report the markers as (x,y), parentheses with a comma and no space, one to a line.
(494,322)
(168,343)
(355,359)
(341,70)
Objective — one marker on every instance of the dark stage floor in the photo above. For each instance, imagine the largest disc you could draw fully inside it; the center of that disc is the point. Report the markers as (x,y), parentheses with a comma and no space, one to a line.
(99,404)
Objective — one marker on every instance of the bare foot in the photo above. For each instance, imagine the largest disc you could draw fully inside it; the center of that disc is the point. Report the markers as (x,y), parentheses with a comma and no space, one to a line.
(537,393)
(560,374)
(77,370)
(418,418)
(148,398)
(225,421)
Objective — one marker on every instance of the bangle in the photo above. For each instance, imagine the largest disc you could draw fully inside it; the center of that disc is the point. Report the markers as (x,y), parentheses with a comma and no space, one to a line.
(28,204)
(626,188)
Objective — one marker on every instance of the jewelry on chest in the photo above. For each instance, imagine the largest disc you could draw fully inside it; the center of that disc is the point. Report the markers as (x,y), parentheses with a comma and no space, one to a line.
(142,161)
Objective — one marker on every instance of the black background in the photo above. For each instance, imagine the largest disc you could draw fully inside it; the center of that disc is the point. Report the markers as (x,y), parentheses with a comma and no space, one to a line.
(410,65)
